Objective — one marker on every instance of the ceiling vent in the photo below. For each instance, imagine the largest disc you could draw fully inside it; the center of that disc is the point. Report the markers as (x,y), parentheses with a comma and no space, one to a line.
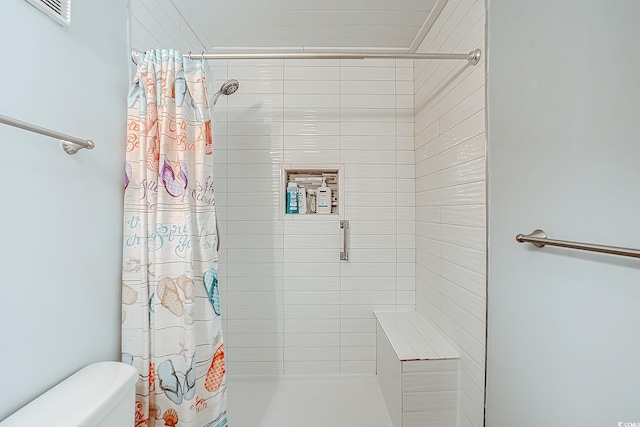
(58,10)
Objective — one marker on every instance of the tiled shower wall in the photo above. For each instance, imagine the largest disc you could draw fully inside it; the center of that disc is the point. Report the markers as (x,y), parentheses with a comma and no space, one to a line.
(450,142)
(291,305)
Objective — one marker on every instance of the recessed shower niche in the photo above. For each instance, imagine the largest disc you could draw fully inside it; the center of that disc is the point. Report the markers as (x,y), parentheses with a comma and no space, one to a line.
(309,192)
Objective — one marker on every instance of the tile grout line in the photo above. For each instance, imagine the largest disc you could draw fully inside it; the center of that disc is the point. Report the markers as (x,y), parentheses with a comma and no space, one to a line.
(343,207)
(284,323)
(395,104)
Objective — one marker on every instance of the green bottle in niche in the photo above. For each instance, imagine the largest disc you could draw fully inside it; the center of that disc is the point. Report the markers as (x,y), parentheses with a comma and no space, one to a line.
(292,198)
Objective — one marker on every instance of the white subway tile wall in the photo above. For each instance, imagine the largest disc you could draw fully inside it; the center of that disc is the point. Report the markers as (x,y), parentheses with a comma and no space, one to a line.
(290,305)
(450,233)
(415,209)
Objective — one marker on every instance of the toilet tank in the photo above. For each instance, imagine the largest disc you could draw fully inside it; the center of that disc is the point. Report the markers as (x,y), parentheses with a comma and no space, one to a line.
(100,395)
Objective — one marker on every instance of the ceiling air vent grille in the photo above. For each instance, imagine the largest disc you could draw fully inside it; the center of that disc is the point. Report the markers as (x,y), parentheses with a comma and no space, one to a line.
(59,10)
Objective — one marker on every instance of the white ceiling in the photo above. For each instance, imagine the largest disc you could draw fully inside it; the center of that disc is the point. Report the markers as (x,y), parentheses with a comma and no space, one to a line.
(354,24)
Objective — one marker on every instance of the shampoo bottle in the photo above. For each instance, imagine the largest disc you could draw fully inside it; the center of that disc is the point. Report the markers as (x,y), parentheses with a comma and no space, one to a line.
(292,198)
(302,200)
(323,198)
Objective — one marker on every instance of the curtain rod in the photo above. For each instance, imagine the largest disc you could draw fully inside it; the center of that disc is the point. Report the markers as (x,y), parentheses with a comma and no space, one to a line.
(473,57)
(70,144)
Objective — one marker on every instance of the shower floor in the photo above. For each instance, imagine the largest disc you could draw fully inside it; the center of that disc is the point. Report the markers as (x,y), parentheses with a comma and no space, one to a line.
(300,401)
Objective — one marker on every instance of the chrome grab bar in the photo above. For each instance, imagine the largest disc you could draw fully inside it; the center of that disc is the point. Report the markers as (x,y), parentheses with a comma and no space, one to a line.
(344,255)
(539,239)
(70,144)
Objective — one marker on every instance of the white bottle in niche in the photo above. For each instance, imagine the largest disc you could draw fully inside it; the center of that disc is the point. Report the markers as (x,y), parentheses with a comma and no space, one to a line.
(323,198)
(302,200)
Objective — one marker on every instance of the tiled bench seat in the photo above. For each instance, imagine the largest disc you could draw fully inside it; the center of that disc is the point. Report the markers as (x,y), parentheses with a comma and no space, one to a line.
(417,371)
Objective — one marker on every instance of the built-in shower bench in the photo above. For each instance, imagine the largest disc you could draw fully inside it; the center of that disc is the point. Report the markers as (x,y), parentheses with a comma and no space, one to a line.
(417,371)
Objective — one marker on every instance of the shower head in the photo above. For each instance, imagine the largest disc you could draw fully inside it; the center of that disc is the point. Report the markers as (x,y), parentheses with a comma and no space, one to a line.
(228,88)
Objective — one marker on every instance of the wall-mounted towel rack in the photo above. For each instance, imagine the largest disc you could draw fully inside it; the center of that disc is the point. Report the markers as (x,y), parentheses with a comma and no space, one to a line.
(70,144)
(539,239)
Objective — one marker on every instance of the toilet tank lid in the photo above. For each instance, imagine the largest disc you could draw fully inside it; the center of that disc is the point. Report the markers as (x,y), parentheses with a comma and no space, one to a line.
(81,400)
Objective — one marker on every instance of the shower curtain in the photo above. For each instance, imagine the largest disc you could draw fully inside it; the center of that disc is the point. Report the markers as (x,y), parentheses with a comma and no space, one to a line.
(171,329)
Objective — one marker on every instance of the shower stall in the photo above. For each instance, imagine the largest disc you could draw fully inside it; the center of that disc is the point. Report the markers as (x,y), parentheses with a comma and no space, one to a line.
(299,325)
(404,134)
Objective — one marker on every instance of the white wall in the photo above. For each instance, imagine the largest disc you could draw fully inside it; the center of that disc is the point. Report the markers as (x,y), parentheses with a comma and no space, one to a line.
(563,104)
(292,306)
(450,160)
(60,258)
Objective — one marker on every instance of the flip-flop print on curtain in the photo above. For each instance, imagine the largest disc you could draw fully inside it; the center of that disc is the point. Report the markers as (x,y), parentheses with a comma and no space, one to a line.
(171,329)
